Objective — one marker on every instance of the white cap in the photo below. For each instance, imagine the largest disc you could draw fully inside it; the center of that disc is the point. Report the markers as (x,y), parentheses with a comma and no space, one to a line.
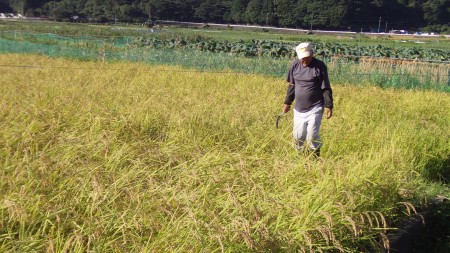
(304,50)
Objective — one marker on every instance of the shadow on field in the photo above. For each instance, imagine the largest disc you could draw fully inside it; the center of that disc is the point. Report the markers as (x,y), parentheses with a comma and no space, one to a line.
(424,232)
(429,230)
(438,170)
(435,236)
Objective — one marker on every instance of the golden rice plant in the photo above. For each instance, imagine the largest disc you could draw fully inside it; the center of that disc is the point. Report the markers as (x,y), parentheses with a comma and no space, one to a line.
(124,157)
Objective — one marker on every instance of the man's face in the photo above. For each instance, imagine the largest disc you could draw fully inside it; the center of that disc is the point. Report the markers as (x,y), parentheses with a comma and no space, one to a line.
(306,60)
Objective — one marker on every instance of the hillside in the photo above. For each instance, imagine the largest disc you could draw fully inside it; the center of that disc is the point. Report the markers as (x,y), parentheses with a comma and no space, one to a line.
(352,15)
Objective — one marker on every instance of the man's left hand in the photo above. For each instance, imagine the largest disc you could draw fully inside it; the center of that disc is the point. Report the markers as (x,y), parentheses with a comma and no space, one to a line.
(328,112)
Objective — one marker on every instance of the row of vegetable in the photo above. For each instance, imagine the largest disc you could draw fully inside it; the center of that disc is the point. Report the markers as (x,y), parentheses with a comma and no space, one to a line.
(252,48)
(282,49)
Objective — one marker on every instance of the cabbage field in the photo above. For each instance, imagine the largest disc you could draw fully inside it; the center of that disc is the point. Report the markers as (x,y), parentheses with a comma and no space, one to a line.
(284,49)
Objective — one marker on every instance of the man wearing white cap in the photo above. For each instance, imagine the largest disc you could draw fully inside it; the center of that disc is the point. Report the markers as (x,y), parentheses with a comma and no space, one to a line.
(310,87)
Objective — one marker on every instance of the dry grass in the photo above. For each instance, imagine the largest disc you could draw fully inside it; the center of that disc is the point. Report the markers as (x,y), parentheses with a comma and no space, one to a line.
(436,72)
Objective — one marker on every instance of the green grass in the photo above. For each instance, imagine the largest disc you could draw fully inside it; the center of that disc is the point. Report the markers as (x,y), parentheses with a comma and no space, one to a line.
(349,39)
(425,76)
(114,43)
(122,157)
(70,29)
(77,29)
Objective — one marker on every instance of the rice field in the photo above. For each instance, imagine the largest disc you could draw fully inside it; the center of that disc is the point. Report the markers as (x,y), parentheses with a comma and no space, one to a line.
(126,157)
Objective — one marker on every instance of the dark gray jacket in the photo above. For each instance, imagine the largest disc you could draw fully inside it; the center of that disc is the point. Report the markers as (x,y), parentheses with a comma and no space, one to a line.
(309,87)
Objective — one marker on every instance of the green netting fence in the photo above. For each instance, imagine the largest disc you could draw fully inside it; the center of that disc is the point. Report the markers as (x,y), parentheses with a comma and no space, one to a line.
(424,76)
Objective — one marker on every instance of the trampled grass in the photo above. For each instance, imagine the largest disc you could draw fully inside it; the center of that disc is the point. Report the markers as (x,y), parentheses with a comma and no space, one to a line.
(122,157)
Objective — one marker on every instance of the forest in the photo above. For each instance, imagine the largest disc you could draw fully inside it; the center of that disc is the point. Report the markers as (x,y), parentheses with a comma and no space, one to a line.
(349,15)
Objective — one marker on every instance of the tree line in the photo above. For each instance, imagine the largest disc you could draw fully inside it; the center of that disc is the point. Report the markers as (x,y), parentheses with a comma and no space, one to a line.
(353,15)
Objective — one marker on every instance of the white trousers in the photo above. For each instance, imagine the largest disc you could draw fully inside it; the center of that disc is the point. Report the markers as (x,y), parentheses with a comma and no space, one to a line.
(306,128)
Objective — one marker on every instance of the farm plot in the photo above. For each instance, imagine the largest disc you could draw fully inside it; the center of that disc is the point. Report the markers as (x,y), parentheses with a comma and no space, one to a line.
(357,60)
(122,157)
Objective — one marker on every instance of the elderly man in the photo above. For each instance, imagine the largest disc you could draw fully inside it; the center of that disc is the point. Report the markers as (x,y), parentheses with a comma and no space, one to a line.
(310,87)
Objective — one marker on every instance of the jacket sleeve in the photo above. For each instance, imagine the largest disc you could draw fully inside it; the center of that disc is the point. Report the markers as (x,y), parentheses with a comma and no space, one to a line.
(290,93)
(326,88)
(328,98)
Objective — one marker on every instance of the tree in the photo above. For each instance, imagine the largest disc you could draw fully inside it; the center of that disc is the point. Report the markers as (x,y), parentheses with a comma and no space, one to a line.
(5,7)
(436,11)
(330,13)
(175,9)
(320,14)
(19,5)
(253,12)
(287,13)
(211,11)
(268,9)
(237,11)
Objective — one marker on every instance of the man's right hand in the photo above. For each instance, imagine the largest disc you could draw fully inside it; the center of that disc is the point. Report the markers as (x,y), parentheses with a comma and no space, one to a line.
(286,108)
(328,112)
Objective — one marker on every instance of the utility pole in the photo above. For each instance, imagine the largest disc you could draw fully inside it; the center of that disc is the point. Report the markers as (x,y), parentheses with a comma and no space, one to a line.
(312,17)
(379,23)
(385,29)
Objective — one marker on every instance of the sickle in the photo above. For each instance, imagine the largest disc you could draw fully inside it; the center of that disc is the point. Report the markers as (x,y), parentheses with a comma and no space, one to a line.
(278,118)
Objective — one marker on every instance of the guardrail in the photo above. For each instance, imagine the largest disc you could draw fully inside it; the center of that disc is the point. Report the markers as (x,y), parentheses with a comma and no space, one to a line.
(292,30)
